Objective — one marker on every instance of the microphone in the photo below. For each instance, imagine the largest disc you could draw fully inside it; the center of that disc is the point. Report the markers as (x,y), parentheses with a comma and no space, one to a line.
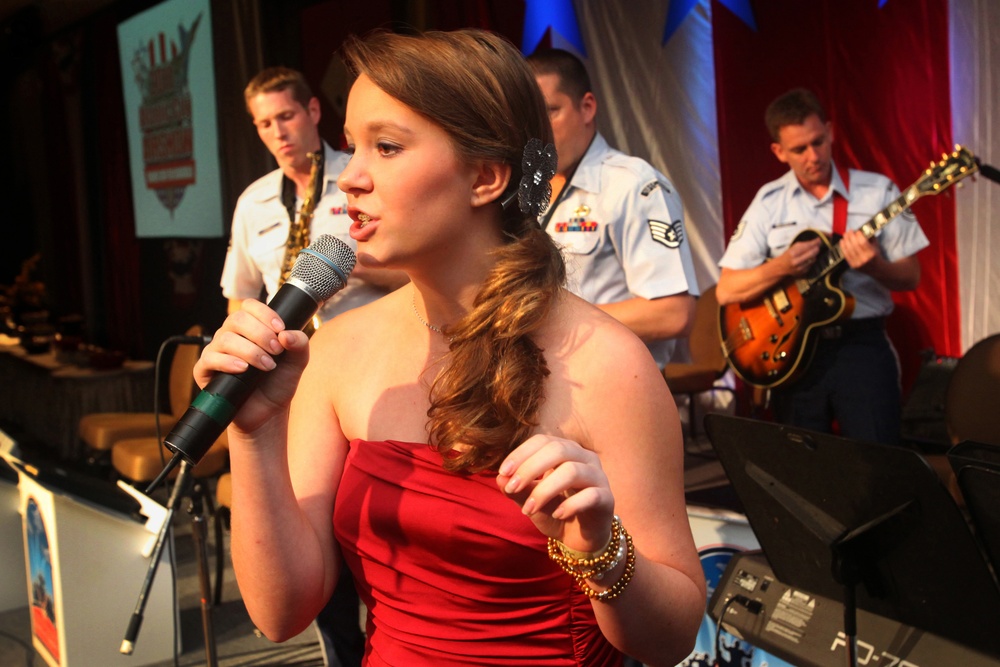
(203,339)
(319,272)
(988,171)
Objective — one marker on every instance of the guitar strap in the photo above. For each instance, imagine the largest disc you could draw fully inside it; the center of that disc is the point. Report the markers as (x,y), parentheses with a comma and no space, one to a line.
(840,206)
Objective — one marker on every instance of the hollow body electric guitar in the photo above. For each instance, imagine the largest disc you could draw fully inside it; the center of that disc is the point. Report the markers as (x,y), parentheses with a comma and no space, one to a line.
(770,341)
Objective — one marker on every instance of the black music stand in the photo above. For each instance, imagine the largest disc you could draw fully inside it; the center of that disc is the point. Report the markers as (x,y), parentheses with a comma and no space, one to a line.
(867,525)
(977,469)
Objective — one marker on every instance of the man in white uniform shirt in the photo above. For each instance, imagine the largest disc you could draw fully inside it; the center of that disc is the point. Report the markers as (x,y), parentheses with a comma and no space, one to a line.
(618,220)
(853,379)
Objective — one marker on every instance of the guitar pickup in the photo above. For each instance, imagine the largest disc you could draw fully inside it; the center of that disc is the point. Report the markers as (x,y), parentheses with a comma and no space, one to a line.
(772,311)
(781,301)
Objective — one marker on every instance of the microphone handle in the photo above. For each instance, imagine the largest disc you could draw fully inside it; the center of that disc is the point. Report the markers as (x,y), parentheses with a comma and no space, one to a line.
(215,407)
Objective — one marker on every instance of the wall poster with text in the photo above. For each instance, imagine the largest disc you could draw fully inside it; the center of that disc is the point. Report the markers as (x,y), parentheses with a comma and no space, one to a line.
(168,80)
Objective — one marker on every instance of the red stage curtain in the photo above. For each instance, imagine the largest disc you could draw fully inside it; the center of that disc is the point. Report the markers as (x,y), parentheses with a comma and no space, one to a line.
(883,75)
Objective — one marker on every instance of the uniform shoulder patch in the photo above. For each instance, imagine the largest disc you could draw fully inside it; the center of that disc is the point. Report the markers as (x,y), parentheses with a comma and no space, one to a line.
(652,185)
(670,234)
(738,232)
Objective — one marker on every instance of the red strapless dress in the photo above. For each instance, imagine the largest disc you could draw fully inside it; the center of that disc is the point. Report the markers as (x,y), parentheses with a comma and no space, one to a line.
(451,572)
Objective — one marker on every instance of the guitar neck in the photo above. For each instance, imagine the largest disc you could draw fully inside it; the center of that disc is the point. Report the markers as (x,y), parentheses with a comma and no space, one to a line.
(836,256)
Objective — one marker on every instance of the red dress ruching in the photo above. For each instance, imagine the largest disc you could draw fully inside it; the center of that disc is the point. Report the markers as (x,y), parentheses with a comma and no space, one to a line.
(451,572)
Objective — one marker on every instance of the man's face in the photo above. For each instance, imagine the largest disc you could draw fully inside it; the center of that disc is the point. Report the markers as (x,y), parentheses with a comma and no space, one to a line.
(572,121)
(286,127)
(806,149)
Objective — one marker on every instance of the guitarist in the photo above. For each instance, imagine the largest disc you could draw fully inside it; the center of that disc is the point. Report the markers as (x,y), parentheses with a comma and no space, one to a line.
(853,377)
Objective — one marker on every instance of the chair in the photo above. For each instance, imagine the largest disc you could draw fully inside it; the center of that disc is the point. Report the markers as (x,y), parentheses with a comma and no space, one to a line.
(970,409)
(970,403)
(135,449)
(708,363)
(101,430)
(223,518)
(224,492)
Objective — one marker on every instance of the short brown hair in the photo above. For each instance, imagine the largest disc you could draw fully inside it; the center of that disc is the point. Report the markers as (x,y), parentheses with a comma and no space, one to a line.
(275,80)
(574,81)
(792,108)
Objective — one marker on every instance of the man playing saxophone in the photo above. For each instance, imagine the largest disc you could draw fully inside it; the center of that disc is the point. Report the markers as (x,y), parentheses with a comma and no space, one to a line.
(275,217)
(278,214)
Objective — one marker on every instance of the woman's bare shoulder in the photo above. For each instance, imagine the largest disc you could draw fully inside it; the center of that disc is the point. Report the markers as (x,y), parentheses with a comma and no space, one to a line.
(581,331)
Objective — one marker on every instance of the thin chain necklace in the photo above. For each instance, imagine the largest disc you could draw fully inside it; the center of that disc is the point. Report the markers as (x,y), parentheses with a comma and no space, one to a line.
(413,302)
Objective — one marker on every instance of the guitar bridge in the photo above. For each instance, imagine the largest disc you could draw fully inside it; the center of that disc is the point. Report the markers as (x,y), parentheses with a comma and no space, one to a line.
(745,331)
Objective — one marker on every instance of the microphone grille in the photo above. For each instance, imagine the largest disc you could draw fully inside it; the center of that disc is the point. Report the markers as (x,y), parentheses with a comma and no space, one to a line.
(324,266)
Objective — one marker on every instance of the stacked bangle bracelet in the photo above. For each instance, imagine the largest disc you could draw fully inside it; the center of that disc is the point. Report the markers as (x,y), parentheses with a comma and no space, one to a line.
(583,566)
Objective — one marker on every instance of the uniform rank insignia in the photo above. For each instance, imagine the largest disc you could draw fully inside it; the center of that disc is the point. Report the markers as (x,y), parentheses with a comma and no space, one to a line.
(670,234)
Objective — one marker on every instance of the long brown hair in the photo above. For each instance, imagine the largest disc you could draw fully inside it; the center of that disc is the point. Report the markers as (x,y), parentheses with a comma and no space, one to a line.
(478,88)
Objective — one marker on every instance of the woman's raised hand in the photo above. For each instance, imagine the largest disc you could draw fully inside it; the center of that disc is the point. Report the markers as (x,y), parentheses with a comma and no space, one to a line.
(253,336)
(562,487)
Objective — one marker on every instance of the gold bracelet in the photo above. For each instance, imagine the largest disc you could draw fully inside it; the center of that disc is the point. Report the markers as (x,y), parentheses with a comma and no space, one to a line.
(619,586)
(593,563)
(583,569)
(585,555)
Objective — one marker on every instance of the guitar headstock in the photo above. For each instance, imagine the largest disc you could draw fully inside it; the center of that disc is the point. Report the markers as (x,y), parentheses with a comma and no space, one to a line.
(952,168)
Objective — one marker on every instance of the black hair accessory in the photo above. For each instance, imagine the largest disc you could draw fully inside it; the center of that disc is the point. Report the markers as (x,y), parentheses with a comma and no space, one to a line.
(538,167)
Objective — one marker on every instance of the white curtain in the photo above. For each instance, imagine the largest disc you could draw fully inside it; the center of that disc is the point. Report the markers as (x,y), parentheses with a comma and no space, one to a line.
(975,104)
(658,102)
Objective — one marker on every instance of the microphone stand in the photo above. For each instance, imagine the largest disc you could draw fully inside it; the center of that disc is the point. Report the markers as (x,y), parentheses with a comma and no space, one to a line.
(198,533)
(184,479)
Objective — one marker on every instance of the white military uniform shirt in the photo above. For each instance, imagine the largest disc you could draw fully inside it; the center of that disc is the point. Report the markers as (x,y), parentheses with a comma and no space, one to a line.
(260,232)
(782,209)
(620,225)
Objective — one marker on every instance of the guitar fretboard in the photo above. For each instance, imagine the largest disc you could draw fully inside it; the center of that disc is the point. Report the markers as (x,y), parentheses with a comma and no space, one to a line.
(870,228)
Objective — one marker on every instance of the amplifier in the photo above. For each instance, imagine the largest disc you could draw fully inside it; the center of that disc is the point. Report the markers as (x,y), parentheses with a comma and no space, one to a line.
(808,630)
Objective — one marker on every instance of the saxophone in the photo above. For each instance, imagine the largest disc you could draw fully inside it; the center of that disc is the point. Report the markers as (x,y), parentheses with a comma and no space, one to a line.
(298,233)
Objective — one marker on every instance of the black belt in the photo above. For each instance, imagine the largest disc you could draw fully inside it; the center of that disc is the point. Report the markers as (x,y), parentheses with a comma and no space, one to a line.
(851,327)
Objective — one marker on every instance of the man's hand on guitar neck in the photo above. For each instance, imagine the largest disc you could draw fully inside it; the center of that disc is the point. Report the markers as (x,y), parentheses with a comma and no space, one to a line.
(859,251)
(741,285)
(864,255)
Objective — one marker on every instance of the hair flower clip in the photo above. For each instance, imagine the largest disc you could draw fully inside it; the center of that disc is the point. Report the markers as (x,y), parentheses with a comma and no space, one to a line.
(538,167)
